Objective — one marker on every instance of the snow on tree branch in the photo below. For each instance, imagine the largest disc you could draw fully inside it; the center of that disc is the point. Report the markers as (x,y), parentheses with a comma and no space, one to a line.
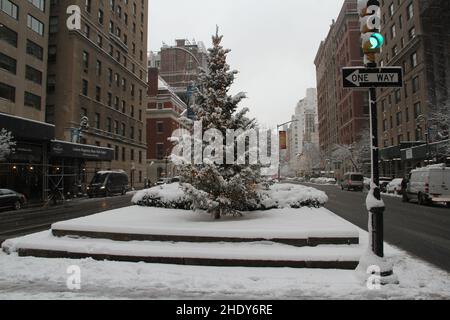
(7,144)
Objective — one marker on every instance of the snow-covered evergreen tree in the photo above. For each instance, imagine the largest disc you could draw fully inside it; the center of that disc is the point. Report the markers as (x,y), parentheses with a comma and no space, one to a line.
(221,188)
(6,143)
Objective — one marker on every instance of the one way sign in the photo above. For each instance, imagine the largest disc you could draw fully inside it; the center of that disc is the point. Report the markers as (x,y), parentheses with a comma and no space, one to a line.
(360,77)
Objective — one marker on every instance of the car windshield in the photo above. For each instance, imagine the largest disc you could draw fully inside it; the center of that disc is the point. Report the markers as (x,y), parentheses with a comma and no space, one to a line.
(99,178)
(357,178)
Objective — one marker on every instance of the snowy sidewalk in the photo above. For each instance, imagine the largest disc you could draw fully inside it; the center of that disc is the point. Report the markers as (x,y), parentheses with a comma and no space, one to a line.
(33,278)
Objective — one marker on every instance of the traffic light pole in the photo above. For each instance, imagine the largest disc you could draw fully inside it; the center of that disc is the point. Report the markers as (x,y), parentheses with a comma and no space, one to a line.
(376,214)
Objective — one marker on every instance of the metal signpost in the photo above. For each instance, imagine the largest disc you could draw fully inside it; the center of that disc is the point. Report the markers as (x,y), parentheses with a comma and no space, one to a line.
(372,77)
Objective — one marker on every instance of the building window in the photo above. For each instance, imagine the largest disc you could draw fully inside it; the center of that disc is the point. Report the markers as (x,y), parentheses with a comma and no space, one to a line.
(7,92)
(35,50)
(88,5)
(98,68)
(415,84)
(391,9)
(98,94)
(35,25)
(398,96)
(97,121)
(417,110)
(109,124)
(124,130)
(132,155)
(9,8)
(160,127)
(51,83)
(50,114)
(100,16)
(414,60)
(85,88)
(140,157)
(393,32)
(410,11)
(53,25)
(85,61)
(33,75)
(32,100)
(412,33)
(7,63)
(124,154)
(398,118)
(52,53)
(7,35)
(116,153)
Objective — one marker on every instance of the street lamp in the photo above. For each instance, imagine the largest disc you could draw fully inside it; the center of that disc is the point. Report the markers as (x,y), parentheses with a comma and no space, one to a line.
(279,153)
(422,118)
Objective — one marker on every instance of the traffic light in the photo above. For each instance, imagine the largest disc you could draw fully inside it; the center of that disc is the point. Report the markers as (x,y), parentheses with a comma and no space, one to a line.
(370,21)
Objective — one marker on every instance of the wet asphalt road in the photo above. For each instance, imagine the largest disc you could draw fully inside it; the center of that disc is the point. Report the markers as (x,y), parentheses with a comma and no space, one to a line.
(17,223)
(423,231)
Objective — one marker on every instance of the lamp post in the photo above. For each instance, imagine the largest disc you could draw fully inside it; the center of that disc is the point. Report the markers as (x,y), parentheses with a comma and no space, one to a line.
(422,118)
(279,153)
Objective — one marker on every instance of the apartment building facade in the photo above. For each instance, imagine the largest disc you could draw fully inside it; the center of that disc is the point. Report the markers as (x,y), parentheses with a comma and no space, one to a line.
(343,113)
(162,119)
(417,38)
(23,57)
(99,73)
(180,65)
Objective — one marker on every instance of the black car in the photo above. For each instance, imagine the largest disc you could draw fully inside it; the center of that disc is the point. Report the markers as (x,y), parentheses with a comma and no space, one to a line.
(108,183)
(11,200)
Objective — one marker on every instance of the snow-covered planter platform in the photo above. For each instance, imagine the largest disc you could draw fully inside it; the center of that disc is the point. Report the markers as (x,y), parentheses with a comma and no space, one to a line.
(307,237)
(299,227)
(278,196)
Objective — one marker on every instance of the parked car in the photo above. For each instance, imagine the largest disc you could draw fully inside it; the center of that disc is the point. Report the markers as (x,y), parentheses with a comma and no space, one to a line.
(108,183)
(395,186)
(10,199)
(163,181)
(429,185)
(384,181)
(353,181)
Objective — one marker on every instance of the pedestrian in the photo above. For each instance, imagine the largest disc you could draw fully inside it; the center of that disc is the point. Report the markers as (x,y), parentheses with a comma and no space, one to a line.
(404,186)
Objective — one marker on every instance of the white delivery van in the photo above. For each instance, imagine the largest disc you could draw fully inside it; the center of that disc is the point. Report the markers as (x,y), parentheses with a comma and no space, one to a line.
(430,185)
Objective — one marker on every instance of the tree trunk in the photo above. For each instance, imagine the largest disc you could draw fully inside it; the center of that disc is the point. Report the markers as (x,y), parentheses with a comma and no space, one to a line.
(217,215)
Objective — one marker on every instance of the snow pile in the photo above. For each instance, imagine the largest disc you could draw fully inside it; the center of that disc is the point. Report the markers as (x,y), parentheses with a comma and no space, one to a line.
(372,201)
(164,196)
(323,180)
(291,196)
(277,196)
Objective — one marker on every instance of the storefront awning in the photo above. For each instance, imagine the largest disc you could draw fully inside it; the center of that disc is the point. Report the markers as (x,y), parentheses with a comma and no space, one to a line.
(25,129)
(65,149)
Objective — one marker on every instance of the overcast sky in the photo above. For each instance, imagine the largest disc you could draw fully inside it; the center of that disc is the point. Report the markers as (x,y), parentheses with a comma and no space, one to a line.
(273,43)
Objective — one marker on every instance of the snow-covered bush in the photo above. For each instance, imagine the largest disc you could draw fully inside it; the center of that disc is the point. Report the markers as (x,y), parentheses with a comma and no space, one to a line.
(277,196)
(291,196)
(169,196)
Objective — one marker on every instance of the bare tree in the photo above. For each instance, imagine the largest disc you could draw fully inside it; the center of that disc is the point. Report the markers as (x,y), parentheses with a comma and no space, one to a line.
(357,153)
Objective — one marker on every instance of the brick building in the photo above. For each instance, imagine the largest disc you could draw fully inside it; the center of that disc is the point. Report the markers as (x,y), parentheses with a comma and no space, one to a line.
(343,113)
(162,119)
(417,38)
(180,65)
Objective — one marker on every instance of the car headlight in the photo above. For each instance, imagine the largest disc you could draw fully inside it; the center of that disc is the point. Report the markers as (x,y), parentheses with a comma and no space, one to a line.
(103,188)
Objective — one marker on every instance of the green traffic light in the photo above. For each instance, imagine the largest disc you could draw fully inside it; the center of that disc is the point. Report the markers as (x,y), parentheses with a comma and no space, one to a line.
(376,41)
